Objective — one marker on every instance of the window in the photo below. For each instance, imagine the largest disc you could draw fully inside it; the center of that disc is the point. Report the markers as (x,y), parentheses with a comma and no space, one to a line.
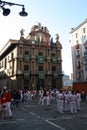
(40,68)
(5,63)
(26,67)
(26,52)
(84,30)
(53,55)
(76,35)
(53,68)
(2,64)
(26,56)
(40,53)
(78,53)
(79,74)
(86,48)
(77,42)
(78,64)
(12,55)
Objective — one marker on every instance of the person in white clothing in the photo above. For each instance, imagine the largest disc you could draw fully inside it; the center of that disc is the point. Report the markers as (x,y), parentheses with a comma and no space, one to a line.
(60,102)
(78,100)
(47,98)
(73,107)
(66,102)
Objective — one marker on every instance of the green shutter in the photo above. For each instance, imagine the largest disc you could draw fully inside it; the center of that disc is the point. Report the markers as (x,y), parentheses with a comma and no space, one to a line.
(41,74)
(55,74)
(26,73)
(26,57)
(40,59)
(54,59)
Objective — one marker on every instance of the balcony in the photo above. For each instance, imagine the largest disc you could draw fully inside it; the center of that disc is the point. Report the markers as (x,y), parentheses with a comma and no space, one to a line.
(55,74)
(26,58)
(85,53)
(26,73)
(41,74)
(54,59)
(79,67)
(78,56)
(40,59)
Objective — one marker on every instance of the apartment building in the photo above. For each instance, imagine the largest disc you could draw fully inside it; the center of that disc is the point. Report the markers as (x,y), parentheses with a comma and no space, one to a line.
(79,52)
(34,62)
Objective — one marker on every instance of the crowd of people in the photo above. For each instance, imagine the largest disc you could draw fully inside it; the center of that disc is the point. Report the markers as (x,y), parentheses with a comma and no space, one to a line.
(66,100)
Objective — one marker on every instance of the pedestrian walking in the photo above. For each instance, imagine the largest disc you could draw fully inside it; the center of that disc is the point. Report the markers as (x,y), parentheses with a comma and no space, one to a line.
(17,98)
(8,103)
(3,106)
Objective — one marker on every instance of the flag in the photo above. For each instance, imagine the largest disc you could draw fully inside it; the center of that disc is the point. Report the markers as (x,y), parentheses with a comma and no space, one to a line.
(47,42)
(51,43)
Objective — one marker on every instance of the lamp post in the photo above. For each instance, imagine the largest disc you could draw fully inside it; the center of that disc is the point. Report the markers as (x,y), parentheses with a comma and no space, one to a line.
(6,11)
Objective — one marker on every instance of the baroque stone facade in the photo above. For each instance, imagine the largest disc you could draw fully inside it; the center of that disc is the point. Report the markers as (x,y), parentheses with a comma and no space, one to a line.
(34,62)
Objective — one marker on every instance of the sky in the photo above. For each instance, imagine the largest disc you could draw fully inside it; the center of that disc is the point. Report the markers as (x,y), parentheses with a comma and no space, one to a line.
(59,16)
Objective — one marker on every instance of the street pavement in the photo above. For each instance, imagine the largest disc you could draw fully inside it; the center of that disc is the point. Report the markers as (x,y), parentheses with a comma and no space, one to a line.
(36,117)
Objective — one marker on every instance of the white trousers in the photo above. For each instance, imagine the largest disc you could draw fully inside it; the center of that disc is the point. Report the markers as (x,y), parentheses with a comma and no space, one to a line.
(73,108)
(9,112)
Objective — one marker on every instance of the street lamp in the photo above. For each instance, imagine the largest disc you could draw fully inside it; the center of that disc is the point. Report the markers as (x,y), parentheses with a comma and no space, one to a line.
(6,11)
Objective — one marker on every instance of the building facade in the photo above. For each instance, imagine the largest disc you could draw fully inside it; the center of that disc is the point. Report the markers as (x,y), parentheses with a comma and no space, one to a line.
(33,62)
(79,52)
(67,82)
